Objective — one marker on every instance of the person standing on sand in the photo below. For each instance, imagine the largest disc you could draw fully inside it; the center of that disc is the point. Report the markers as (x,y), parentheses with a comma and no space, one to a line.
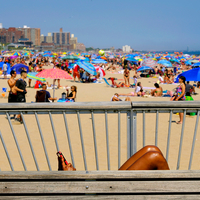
(21,91)
(5,67)
(12,97)
(126,76)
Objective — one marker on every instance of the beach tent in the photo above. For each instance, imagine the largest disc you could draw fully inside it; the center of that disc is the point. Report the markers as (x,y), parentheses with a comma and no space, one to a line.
(190,75)
(19,67)
(8,69)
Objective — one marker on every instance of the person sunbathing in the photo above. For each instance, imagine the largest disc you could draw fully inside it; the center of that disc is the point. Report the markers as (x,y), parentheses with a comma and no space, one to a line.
(115,97)
(147,158)
(158,92)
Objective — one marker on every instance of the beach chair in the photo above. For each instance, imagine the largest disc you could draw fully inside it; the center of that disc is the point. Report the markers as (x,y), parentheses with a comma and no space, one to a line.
(107,82)
(40,96)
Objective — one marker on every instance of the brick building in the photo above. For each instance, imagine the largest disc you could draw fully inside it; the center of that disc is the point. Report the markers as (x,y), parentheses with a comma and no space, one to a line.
(80,47)
(10,35)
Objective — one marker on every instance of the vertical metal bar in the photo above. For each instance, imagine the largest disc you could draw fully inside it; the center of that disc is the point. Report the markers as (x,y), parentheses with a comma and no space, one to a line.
(69,141)
(156,133)
(43,143)
(15,138)
(54,132)
(143,128)
(4,146)
(95,142)
(29,140)
(119,140)
(169,134)
(194,140)
(107,140)
(82,142)
(181,141)
(133,132)
(128,116)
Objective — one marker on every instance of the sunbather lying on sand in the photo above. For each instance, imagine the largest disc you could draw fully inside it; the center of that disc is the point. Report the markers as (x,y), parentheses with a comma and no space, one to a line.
(147,158)
(115,97)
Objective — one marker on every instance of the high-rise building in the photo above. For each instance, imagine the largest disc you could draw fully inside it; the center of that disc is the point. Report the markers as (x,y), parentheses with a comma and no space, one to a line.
(126,49)
(61,38)
(46,39)
(1,25)
(33,34)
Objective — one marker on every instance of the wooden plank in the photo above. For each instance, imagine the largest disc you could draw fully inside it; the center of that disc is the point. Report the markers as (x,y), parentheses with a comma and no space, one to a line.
(89,197)
(171,174)
(101,187)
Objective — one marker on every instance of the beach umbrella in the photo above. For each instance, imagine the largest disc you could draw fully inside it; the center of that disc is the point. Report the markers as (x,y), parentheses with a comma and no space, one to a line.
(88,67)
(190,75)
(143,68)
(19,67)
(70,57)
(196,64)
(54,74)
(194,61)
(96,61)
(188,62)
(149,62)
(32,75)
(99,69)
(132,59)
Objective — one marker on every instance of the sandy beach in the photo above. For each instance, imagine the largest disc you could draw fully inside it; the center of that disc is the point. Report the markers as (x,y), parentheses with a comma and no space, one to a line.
(88,92)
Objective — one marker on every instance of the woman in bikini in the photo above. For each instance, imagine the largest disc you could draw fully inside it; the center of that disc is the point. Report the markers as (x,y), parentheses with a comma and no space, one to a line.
(147,158)
(158,91)
(72,95)
(126,76)
(180,95)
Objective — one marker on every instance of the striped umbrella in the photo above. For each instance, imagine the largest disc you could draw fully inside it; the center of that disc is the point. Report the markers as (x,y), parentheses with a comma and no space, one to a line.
(99,69)
(88,67)
(149,62)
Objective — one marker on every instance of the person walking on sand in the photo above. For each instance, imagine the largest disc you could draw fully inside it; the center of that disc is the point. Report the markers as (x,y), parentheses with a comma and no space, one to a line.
(126,76)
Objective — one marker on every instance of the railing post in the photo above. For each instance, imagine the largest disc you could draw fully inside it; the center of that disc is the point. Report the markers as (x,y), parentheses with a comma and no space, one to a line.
(133,132)
(128,134)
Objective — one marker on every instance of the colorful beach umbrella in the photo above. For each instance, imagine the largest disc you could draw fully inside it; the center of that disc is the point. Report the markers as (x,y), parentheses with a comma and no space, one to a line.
(88,67)
(32,75)
(149,62)
(70,57)
(143,68)
(99,69)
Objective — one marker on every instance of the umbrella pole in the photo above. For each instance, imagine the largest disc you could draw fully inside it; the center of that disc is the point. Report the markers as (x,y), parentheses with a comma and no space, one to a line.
(53,89)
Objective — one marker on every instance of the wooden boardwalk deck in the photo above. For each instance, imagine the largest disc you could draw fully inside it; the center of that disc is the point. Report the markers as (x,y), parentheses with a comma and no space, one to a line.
(101,185)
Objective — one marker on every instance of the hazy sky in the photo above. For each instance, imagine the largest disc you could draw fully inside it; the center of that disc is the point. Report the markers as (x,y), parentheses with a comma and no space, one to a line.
(142,24)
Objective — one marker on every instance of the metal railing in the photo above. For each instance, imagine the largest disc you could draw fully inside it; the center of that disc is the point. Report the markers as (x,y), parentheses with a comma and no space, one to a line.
(96,135)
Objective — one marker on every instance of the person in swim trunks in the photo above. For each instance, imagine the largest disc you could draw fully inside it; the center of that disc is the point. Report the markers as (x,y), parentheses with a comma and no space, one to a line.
(12,98)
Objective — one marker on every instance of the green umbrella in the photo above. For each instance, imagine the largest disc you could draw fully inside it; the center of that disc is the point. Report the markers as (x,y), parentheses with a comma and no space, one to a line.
(70,57)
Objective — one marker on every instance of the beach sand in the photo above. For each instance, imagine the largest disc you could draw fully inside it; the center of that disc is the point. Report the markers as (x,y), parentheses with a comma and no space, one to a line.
(89,92)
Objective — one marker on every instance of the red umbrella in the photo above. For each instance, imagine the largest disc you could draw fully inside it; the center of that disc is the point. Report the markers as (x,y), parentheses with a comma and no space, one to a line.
(99,69)
(54,74)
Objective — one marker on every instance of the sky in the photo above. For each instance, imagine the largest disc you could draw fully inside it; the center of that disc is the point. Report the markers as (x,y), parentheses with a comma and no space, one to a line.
(142,24)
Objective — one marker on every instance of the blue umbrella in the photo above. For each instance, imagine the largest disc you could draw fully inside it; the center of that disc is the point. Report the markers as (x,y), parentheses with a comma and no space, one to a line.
(18,68)
(196,64)
(190,75)
(188,62)
(132,59)
(96,61)
(144,68)
(88,67)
